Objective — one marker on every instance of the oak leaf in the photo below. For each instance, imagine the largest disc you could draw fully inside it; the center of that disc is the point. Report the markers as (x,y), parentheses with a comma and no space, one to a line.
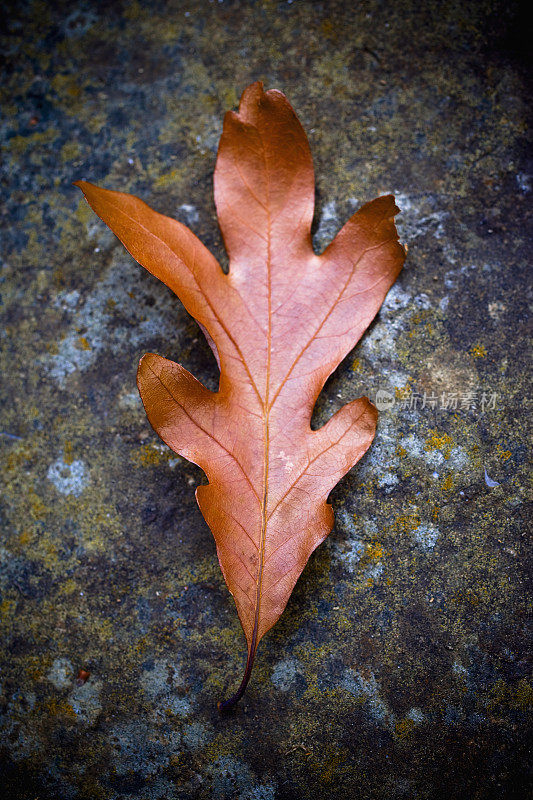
(279,323)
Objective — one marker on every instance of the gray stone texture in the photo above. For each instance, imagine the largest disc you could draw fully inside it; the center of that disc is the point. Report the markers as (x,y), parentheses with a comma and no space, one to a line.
(399,670)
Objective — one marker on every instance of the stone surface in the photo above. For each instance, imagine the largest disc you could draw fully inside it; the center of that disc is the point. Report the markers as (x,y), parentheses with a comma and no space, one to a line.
(400,668)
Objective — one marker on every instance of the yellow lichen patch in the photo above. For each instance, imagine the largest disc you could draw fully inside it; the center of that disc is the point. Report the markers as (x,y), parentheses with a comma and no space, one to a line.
(65,85)
(148,455)
(328,29)
(478,351)
(368,489)
(82,343)
(98,521)
(18,145)
(49,552)
(160,28)
(326,762)
(103,628)
(230,97)
(57,707)
(440,441)
(45,549)
(25,538)
(83,212)
(141,645)
(38,509)
(7,608)
(167,179)
(330,67)
(342,621)
(330,768)
(33,247)
(447,484)
(206,570)
(373,551)
(68,456)
(403,727)
(402,392)
(70,152)
(223,745)
(522,696)
(518,696)
(316,691)
(68,587)
(469,595)
(356,364)
(96,122)
(36,667)
(417,319)
(133,11)
(407,523)
(311,653)
(95,541)
(503,454)
(20,454)
(498,693)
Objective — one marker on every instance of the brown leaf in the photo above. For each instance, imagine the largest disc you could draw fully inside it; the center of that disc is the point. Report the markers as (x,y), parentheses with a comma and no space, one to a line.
(279,323)
(82,677)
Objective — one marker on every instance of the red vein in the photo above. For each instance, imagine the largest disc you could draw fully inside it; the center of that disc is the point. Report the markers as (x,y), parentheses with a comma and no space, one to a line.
(242,221)
(278,580)
(245,593)
(330,311)
(228,514)
(200,427)
(239,558)
(200,288)
(312,461)
(252,193)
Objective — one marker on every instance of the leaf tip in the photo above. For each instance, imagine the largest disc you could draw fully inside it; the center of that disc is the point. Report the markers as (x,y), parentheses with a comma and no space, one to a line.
(256,86)
(84,187)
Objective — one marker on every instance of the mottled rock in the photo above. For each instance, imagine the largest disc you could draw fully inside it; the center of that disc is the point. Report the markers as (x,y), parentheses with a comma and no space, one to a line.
(400,667)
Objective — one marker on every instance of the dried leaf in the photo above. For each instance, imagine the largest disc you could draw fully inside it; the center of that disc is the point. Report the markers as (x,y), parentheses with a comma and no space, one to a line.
(279,323)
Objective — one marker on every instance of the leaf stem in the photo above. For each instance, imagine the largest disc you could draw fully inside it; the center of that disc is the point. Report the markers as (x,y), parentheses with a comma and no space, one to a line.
(227,705)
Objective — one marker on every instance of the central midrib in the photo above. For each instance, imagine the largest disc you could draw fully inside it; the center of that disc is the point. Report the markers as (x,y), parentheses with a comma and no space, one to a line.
(266,414)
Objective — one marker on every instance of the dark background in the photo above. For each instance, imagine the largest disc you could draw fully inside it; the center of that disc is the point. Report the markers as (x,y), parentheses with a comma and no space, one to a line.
(400,667)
